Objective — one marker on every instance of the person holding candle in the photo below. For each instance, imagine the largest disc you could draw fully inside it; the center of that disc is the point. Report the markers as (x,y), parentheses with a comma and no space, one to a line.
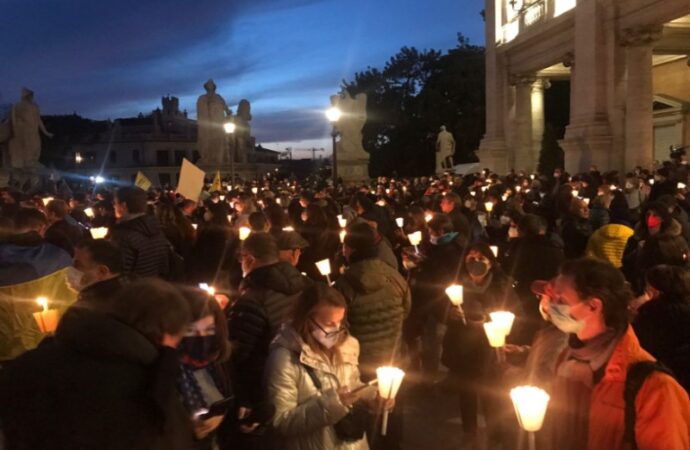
(105,381)
(466,351)
(312,375)
(587,397)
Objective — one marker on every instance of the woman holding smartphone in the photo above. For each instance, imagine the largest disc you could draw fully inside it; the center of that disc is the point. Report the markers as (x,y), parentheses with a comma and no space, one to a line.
(203,382)
(313,377)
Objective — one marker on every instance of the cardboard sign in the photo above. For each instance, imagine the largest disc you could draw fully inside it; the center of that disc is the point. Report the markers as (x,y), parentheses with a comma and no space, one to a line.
(191,180)
(217,185)
(142,181)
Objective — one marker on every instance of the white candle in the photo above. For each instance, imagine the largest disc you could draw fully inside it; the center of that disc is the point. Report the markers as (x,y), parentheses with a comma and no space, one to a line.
(494,332)
(455,294)
(399,222)
(210,289)
(530,406)
(681,185)
(288,229)
(428,217)
(244,233)
(489,206)
(504,320)
(47,319)
(255,190)
(324,267)
(389,380)
(574,193)
(342,222)
(89,212)
(494,250)
(47,200)
(99,232)
(343,233)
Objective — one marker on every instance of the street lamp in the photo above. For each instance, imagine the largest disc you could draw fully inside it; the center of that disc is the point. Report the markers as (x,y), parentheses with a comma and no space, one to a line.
(78,158)
(333,115)
(229,128)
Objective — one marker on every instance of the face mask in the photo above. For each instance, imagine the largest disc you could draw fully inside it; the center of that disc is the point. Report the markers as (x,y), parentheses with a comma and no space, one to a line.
(327,337)
(560,317)
(653,221)
(512,232)
(476,268)
(505,220)
(468,204)
(73,278)
(433,240)
(199,348)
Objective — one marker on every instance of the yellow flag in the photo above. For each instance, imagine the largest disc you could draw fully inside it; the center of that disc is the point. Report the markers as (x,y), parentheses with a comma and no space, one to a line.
(216,185)
(142,182)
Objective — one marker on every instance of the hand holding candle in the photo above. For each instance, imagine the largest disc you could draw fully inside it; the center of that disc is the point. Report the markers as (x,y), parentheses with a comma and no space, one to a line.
(324,267)
(244,233)
(530,407)
(415,238)
(99,232)
(389,379)
(400,222)
(47,319)
(455,294)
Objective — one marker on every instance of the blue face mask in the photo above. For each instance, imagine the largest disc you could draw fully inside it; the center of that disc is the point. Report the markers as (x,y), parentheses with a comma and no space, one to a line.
(561,318)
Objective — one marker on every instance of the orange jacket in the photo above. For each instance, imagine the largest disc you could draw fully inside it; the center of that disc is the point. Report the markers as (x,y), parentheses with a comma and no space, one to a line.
(662,405)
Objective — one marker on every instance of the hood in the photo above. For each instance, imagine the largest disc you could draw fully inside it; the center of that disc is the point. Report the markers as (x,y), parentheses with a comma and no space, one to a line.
(615,231)
(280,277)
(673,230)
(147,225)
(369,275)
(97,334)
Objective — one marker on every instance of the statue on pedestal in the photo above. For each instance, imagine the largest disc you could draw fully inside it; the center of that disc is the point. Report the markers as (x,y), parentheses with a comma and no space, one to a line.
(212,113)
(243,134)
(354,116)
(445,149)
(25,128)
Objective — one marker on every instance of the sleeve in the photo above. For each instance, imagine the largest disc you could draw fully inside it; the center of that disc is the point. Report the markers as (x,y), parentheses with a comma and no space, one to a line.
(128,251)
(292,418)
(663,414)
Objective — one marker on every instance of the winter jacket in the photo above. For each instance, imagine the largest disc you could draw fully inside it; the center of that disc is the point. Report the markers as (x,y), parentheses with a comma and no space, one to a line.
(575,231)
(64,235)
(378,302)
(98,385)
(145,251)
(662,406)
(99,295)
(608,243)
(29,268)
(269,295)
(305,415)
(666,247)
(663,328)
(465,345)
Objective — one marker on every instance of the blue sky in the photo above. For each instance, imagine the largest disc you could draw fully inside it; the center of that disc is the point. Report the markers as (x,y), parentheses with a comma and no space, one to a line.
(115,58)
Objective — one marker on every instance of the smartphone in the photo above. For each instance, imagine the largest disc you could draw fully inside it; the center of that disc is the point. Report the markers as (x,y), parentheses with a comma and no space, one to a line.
(218,408)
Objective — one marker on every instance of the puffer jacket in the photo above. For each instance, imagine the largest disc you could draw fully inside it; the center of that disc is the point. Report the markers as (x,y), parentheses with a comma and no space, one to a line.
(145,251)
(662,406)
(608,243)
(269,295)
(304,415)
(379,300)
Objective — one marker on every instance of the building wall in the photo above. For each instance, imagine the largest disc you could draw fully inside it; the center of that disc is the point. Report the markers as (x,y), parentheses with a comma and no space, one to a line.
(673,80)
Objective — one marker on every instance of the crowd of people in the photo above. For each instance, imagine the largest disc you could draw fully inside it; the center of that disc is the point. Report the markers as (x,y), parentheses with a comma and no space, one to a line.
(208,324)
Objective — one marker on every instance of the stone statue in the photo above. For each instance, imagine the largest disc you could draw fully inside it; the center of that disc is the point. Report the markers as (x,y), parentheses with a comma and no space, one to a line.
(212,113)
(243,134)
(445,149)
(25,128)
(354,116)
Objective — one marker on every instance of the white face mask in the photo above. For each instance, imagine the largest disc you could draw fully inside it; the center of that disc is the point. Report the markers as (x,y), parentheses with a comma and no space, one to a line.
(561,318)
(505,220)
(327,337)
(73,279)
(468,204)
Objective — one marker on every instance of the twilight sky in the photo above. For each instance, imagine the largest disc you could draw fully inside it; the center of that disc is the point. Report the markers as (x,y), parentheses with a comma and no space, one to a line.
(116,58)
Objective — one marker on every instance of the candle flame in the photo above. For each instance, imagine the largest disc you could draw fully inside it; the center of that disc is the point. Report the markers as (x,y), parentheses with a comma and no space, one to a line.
(42,302)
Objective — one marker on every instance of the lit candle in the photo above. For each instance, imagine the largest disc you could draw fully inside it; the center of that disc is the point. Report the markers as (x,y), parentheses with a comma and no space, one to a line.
(195,226)
(222,198)
(586,200)
(324,267)
(47,200)
(530,404)
(517,188)
(288,229)
(415,238)
(244,233)
(255,190)
(229,217)
(381,202)
(99,232)
(343,233)
(278,201)
(342,222)
(210,289)
(494,332)
(489,206)
(681,185)
(389,380)
(47,319)
(400,221)
(613,187)
(504,320)
(428,217)
(574,193)
(651,182)
(89,212)
(455,294)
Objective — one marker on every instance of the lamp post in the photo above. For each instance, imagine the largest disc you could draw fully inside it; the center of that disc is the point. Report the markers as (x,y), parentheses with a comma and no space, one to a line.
(333,115)
(229,128)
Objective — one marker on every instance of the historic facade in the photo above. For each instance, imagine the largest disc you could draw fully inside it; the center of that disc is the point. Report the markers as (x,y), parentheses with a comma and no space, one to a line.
(627,63)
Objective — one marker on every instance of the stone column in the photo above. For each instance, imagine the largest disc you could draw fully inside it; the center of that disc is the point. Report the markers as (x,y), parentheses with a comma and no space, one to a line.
(537,101)
(588,138)
(639,124)
(523,148)
(492,149)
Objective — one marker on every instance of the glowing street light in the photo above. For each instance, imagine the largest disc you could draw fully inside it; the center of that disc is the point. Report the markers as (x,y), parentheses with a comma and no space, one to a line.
(333,114)
(78,158)
(229,127)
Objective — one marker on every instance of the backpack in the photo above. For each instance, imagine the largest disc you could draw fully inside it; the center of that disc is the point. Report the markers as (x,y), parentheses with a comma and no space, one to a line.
(635,378)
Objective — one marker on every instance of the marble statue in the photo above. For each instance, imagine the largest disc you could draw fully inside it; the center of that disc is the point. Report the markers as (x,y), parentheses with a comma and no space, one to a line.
(25,128)
(243,134)
(445,149)
(212,112)
(354,116)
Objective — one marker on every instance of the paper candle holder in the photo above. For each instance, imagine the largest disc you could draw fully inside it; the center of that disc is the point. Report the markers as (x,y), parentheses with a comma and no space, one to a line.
(343,233)
(494,332)
(400,222)
(415,238)
(504,320)
(324,266)
(342,222)
(244,233)
(455,294)
(494,250)
(489,206)
(530,404)
(89,212)
(99,232)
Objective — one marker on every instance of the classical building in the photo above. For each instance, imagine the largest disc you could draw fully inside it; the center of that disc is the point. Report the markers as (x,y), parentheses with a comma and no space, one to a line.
(627,65)
(154,144)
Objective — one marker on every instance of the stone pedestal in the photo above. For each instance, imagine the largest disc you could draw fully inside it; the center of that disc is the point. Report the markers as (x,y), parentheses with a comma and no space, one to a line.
(353,170)
(494,155)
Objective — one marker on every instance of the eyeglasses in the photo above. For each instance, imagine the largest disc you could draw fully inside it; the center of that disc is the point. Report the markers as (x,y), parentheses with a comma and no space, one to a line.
(329,333)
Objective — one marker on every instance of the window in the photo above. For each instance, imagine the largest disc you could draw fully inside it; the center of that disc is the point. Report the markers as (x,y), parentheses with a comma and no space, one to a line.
(179,155)
(162,158)
(135,156)
(113,157)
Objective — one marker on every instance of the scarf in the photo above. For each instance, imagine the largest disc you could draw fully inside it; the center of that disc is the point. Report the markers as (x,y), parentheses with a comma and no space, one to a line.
(582,367)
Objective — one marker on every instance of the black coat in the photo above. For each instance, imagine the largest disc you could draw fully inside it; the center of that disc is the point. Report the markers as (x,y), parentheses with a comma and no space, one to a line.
(663,328)
(99,295)
(269,295)
(64,235)
(99,384)
(145,251)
